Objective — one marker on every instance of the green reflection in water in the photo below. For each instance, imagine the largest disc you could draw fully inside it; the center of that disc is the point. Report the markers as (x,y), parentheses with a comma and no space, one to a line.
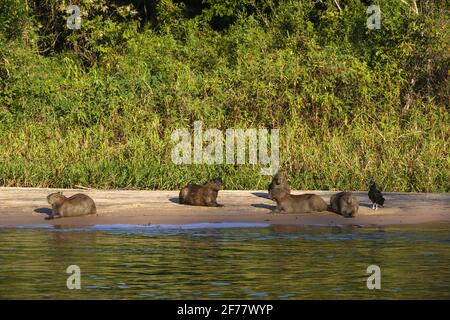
(276,262)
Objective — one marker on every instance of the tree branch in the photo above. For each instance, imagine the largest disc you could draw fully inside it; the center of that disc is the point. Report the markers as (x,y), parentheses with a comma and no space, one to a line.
(337,4)
(415,9)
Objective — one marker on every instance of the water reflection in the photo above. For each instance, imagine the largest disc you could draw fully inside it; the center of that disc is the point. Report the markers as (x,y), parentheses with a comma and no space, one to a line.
(250,262)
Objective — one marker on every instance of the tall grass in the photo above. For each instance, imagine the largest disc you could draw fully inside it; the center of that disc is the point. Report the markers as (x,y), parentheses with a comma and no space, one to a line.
(352,105)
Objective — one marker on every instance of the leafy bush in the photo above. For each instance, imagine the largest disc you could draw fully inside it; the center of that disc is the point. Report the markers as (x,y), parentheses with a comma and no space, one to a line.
(97,106)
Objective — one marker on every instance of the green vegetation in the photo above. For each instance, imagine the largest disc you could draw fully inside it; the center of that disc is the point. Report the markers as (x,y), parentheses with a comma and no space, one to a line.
(97,106)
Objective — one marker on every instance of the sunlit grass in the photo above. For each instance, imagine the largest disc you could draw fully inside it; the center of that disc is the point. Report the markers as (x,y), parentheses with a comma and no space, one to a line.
(343,120)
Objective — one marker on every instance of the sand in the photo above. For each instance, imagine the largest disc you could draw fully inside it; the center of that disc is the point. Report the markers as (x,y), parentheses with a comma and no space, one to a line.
(28,206)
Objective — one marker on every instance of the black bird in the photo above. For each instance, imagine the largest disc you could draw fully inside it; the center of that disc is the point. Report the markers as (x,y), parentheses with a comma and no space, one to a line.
(375,196)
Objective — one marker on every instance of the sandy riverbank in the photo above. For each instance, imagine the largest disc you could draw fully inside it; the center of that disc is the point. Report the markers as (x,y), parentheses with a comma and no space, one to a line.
(28,206)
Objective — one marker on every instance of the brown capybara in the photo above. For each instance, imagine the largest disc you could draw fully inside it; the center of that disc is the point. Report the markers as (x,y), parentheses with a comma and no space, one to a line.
(289,203)
(279,181)
(76,205)
(205,195)
(344,203)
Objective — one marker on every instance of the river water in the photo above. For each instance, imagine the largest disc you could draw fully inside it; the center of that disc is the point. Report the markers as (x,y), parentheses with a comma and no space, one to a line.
(227,260)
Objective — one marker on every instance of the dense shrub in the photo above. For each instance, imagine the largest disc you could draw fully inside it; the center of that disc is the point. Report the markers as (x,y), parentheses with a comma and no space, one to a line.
(97,106)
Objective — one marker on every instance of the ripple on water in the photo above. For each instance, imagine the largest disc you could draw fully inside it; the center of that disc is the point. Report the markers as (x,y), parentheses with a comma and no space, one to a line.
(226,261)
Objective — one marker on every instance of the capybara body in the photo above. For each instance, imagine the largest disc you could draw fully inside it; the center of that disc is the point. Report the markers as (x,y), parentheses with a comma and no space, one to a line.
(345,204)
(290,203)
(201,195)
(279,181)
(76,205)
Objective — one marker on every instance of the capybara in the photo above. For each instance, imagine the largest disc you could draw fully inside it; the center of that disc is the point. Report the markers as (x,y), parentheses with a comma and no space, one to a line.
(201,195)
(76,205)
(289,203)
(344,203)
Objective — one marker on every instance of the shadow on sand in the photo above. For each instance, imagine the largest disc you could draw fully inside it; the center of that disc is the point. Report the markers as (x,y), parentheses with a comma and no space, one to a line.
(175,200)
(263,206)
(46,211)
(365,205)
(261,194)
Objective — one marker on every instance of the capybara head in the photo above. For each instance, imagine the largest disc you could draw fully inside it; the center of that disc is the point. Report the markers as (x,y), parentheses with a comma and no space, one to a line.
(279,177)
(216,184)
(279,193)
(55,198)
(278,180)
(349,199)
